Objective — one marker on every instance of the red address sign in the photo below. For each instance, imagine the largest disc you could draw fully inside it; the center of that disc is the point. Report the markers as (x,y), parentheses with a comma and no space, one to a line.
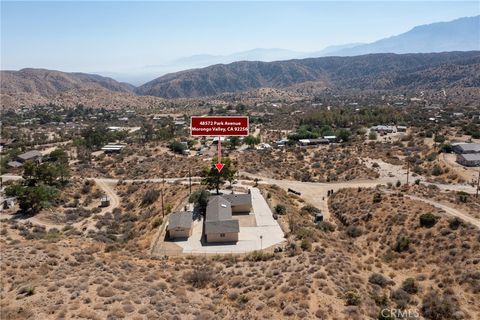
(219,126)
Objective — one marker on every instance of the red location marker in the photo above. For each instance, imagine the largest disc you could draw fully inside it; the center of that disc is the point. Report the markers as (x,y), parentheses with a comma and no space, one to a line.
(219,166)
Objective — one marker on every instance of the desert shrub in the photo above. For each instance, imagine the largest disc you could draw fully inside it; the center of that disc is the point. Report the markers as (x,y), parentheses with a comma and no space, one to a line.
(402,244)
(177,147)
(428,220)
(377,198)
(310,209)
(150,196)
(243,299)
(280,209)
(306,245)
(326,226)
(409,285)
(378,279)
(87,187)
(200,277)
(455,223)
(401,298)
(462,196)
(354,231)
(304,233)
(431,156)
(437,170)
(157,222)
(259,256)
(352,298)
(436,307)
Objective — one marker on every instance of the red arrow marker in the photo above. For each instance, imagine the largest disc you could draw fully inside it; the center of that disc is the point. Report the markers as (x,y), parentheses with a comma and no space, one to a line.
(219,165)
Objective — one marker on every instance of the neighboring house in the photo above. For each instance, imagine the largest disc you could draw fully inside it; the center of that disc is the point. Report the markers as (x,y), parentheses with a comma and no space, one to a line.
(469,159)
(113,148)
(180,224)
(32,155)
(462,148)
(313,142)
(384,129)
(14,164)
(219,225)
(331,139)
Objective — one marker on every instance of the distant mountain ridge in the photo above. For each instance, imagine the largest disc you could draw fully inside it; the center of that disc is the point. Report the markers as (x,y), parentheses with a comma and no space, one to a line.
(45,83)
(373,71)
(458,35)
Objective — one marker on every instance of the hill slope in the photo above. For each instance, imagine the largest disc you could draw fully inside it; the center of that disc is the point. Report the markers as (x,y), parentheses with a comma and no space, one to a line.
(375,71)
(45,83)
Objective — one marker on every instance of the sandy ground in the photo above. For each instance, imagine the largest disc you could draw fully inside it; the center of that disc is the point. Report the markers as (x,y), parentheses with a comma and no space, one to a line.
(469,174)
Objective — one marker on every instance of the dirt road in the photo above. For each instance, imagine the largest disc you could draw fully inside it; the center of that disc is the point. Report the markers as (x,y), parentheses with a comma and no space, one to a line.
(448,210)
(106,185)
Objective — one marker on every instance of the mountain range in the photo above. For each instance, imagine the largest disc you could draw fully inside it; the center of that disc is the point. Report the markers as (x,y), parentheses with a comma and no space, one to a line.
(374,71)
(458,35)
(353,66)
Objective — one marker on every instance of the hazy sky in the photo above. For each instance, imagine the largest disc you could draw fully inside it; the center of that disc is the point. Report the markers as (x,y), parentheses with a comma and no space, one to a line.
(127,36)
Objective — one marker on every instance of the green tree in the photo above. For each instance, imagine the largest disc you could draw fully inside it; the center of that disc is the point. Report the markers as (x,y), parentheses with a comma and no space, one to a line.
(234,142)
(177,147)
(343,135)
(214,179)
(200,199)
(32,198)
(251,140)
(60,159)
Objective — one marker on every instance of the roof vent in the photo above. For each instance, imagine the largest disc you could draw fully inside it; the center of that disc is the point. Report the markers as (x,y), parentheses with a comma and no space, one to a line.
(224,205)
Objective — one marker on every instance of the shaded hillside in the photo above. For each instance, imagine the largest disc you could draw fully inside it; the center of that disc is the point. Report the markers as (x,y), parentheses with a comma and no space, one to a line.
(45,83)
(375,71)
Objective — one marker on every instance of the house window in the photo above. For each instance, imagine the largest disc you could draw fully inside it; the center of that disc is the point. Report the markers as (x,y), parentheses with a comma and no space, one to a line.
(222,235)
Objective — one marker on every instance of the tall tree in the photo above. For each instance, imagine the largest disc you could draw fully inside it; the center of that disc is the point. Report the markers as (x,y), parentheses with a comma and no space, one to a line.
(214,179)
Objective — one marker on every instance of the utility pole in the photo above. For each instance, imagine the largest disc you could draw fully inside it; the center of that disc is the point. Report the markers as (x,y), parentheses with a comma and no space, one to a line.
(190,180)
(408,169)
(163,190)
(478,183)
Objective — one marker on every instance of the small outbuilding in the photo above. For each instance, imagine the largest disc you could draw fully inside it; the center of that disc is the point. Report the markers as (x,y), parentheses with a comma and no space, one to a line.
(180,225)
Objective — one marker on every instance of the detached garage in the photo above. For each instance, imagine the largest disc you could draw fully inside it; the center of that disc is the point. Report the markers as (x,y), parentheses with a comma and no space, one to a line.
(180,225)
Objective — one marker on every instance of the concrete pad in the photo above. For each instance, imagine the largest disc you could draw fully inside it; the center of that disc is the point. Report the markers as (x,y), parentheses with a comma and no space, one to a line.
(266,234)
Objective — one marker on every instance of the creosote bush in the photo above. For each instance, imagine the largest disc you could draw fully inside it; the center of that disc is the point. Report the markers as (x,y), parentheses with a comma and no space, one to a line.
(200,277)
(428,220)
